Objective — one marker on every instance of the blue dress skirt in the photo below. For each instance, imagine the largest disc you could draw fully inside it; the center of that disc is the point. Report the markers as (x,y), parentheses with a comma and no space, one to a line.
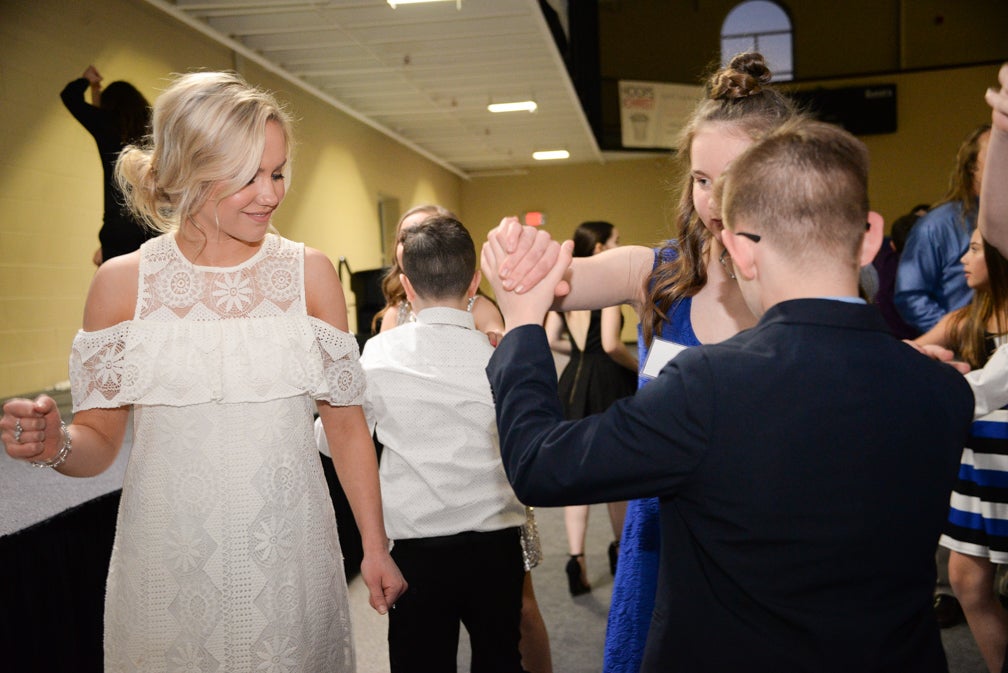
(633,594)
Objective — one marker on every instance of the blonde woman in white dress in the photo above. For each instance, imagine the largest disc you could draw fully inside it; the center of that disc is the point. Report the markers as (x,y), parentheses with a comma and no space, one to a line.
(224,339)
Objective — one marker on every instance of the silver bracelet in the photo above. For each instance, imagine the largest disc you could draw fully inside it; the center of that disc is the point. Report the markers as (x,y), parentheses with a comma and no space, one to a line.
(61,455)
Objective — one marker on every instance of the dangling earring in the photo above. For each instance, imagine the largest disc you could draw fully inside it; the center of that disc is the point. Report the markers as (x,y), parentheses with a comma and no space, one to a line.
(472,300)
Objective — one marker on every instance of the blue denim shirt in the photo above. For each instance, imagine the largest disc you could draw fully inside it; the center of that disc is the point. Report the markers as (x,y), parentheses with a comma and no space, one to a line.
(930,280)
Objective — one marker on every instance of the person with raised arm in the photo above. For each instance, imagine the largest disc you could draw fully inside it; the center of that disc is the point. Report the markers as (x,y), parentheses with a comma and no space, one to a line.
(683,291)
(773,452)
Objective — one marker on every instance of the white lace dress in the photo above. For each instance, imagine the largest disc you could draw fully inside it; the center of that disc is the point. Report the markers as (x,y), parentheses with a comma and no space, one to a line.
(226,556)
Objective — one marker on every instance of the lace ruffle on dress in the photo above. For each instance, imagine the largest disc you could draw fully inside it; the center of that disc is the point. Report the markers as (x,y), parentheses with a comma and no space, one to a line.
(226,555)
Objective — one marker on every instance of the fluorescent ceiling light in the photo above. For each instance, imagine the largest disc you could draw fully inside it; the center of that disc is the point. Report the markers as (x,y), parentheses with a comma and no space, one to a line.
(550,154)
(517,106)
(394,3)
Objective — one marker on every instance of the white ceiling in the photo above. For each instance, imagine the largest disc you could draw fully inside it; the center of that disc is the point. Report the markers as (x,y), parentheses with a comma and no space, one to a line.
(422,74)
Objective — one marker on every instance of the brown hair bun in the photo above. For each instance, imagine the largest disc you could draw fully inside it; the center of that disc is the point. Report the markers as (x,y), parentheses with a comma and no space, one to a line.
(744,76)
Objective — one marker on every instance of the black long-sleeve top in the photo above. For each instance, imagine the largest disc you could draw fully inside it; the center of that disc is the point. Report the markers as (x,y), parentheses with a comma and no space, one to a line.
(120,232)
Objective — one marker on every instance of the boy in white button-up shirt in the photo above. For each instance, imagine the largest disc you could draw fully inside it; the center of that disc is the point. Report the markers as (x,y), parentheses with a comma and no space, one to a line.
(447,504)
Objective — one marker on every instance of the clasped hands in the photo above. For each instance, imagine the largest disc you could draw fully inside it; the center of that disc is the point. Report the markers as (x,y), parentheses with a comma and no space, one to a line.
(525,268)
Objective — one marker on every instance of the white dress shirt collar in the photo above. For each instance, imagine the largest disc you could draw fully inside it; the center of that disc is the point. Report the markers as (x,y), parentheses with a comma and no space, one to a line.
(444,315)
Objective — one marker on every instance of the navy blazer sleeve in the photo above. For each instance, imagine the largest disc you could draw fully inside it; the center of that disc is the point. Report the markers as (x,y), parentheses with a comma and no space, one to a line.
(642,446)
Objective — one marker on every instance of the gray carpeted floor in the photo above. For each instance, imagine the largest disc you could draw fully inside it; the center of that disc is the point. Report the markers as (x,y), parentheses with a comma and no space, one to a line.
(29,495)
(577,625)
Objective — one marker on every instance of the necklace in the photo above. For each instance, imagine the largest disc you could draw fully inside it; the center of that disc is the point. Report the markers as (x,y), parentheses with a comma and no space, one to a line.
(725,260)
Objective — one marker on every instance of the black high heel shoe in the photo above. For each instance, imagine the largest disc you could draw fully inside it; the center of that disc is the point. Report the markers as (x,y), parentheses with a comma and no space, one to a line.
(575,578)
(613,556)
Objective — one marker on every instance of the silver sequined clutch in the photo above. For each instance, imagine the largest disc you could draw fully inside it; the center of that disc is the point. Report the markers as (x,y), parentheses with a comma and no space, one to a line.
(531,548)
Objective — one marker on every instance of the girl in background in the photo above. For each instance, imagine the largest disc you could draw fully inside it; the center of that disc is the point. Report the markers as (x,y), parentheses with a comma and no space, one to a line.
(978,514)
(600,371)
(929,280)
(397,308)
(117,116)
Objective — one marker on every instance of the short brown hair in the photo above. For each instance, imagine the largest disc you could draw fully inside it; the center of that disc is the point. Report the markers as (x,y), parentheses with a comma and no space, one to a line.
(803,186)
(439,257)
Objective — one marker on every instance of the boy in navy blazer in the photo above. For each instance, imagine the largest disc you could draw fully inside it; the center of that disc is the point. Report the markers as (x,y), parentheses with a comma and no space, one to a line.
(804,465)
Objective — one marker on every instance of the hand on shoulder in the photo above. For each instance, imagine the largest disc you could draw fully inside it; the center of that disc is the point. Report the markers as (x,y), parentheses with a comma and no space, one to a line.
(939,353)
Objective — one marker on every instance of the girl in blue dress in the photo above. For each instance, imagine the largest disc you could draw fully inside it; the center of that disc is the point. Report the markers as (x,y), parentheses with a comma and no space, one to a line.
(685,294)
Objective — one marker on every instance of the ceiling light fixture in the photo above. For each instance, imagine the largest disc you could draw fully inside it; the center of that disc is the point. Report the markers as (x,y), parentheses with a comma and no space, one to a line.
(394,3)
(548,155)
(517,106)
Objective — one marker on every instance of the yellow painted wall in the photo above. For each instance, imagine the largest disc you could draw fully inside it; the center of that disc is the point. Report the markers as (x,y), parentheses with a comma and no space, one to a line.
(50,173)
(635,195)
(936,110)
(638,196)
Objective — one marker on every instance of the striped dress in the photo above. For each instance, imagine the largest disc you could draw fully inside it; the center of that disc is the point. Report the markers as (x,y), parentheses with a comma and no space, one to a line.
(978,512)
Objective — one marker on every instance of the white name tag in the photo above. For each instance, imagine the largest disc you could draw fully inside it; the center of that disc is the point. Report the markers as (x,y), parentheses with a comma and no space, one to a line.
(659,355)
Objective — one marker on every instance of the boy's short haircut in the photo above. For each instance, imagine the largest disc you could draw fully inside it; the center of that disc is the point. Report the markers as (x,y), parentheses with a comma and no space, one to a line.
(805,187)
(439,257)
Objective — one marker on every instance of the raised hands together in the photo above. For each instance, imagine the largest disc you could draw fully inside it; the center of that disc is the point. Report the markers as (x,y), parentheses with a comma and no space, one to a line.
(525,267)
(525,256)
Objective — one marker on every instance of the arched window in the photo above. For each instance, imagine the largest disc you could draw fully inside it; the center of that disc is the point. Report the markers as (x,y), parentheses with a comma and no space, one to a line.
(763,26)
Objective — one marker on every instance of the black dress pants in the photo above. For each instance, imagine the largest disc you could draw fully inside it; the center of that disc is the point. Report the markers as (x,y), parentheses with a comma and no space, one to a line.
(470,578)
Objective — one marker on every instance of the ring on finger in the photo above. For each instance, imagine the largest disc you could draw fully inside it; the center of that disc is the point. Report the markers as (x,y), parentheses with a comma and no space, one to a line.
(17,431)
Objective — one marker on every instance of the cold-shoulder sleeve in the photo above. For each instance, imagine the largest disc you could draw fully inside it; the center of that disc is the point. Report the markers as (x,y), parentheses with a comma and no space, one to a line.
(98,367)
(227,361)
(343,377)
